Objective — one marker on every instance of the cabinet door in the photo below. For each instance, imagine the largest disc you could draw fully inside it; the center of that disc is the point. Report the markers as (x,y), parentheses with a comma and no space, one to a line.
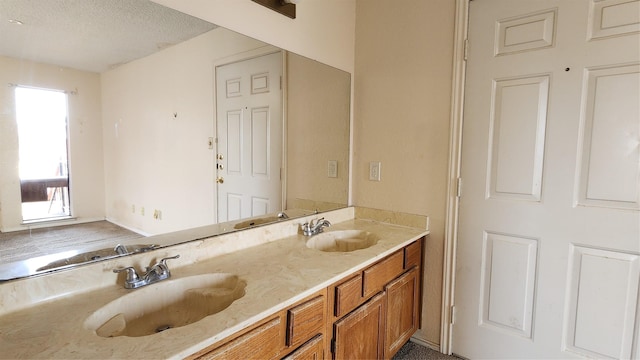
(313,349)
(402,311)
(360,335)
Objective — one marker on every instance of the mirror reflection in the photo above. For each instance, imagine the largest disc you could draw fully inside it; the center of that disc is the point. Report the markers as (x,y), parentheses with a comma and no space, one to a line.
(176,141)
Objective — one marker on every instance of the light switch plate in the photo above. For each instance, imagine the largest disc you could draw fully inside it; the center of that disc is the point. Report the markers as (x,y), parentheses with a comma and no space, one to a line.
(374,170)
(332,169)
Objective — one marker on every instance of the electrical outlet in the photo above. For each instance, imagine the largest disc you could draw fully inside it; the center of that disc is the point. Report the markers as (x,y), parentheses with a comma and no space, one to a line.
(332,169)
(374,170)
(142,211)
(157,214)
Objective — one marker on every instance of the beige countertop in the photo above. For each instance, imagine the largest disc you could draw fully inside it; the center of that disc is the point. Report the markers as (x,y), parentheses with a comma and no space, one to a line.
(277,274)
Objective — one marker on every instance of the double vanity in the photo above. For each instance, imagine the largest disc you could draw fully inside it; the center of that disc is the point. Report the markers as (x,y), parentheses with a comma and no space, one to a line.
(265,292)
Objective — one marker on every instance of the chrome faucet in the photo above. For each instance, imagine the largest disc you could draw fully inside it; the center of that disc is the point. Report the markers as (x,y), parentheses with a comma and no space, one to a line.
(157,272)
(120,249)
(123,250)
(311,228)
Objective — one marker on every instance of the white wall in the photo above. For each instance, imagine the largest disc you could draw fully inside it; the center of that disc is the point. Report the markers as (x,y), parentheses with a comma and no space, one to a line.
(323,30)
(85,138)
(158,113)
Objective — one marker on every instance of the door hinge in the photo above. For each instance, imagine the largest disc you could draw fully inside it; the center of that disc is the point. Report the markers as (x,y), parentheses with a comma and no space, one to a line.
(466,49)
(459,187)
(452,314)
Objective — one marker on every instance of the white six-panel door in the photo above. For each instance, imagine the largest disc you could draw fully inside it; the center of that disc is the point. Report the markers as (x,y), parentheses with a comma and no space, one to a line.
(548,251)
(249,131)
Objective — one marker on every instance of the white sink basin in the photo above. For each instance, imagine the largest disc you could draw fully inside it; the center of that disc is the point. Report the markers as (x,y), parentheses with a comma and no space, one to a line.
(167,304)
(342,240)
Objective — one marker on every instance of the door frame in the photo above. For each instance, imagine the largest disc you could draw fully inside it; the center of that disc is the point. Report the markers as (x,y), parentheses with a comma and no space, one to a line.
(248,55)
(454,186)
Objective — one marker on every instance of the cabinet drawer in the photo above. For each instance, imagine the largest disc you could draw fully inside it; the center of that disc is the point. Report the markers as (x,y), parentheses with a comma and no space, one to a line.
(263,342)
(305,320)
(348,295)
(412,255)
(312,350)
(378,275)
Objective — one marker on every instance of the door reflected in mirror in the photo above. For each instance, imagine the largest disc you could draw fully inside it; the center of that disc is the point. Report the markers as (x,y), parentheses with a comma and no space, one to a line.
(142,137)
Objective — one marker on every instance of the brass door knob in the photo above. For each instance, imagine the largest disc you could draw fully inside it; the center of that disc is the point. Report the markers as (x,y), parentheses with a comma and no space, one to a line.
(220,180)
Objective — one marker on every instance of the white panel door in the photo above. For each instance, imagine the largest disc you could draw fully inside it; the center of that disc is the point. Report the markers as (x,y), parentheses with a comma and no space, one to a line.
(548,251)
(249,131)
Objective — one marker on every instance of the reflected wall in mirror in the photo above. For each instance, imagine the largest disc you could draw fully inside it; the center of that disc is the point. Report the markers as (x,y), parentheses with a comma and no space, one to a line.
(139,153)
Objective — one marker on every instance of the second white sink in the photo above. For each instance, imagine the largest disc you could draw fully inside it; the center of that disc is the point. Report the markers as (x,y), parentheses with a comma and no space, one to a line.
(165,305)
(342,240)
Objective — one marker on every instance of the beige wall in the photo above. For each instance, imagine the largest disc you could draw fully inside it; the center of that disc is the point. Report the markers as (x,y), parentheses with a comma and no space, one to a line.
(323,29)
(403,70)
(318,111)
(85,138)
(158,114)
(402,66)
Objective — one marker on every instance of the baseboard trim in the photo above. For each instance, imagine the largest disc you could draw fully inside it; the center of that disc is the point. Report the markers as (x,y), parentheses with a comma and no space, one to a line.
(51,223)
(429,344)
(137,231)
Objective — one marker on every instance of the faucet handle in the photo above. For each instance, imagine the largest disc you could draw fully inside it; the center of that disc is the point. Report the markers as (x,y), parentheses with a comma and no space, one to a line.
(163,262)
(131,273)
(162,267)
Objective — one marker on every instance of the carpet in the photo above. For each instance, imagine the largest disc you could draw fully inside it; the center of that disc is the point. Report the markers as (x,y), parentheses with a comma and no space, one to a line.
(413,351)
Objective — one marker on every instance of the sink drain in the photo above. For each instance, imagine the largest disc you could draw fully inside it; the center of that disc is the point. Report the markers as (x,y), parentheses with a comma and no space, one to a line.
(163,328)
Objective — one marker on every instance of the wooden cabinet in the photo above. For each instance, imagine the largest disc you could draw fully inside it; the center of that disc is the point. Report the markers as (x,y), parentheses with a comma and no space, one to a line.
(360,335)
(377,310)
(402,311)
(367,315)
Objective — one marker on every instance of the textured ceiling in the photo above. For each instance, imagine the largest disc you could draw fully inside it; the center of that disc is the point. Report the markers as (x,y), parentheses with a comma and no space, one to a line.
(91,35)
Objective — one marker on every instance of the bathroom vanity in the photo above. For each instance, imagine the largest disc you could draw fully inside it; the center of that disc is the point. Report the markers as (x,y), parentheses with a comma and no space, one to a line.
(280,295)
(369,314)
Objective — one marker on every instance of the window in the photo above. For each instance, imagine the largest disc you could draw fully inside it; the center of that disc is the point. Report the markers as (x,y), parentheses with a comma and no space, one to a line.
(42,141)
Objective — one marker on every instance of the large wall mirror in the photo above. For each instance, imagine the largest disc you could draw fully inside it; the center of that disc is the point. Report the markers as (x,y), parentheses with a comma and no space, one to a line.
(144,131)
